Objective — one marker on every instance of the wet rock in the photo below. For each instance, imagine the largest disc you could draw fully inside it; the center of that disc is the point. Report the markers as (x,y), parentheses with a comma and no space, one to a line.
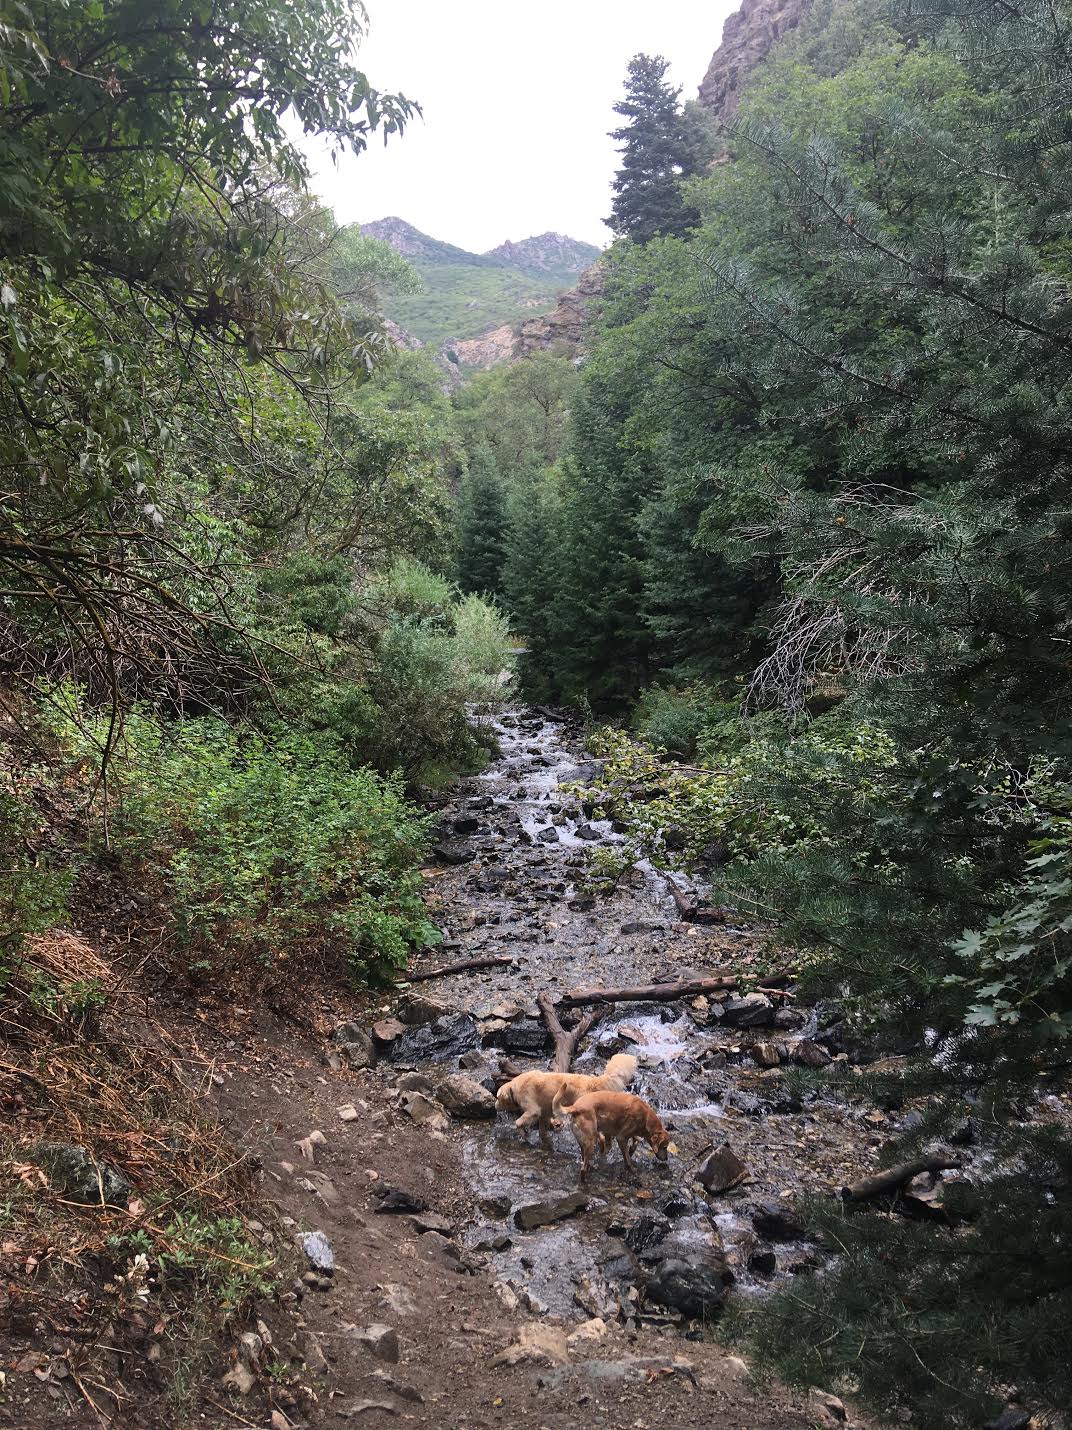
(354,1045)
(523,1036)
(810,1055)
(824,1408)
(535,1345)
(73,1172)
(387,1031)
(677,1204)
(696,1291)
(763,1263)
(495,1207)
(645,1232)
(466,824)
(451,853)
(753,1010)
(416,1009)
(425,1112)
(465,1098)
(788,1018)
(447,1037)
(1013,1417)
(480,802)
(318,1251)
(721,1170)
(588,832)
(547,835)
(767,1055)
(777,1222)
(535,1214)
(380,1339)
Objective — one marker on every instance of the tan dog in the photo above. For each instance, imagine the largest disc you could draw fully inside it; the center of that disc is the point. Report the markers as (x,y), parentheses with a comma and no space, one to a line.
(602,1117)
(537,1095)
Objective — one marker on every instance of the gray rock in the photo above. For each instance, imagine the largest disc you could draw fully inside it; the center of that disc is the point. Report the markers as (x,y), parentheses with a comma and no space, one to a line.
(777,1222)
(318,1251)
(722,1170)
(465,1098)
(587,831)
(549,835)
(432,1221)
(416,1009)
(810,1055)
(72,1171)
(381,1340)
(453,853)
(394,1200)
(424,1111)
(753,1010)
(398,1387)
(446,1037)
(694,1290)
(535,1214)
(415,1082)
(355,1045)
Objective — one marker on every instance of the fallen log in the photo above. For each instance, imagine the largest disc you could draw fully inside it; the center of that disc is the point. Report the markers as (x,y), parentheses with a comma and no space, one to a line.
(894,1178)
(497,960)
(565,1043)
(693,913)
(667,992)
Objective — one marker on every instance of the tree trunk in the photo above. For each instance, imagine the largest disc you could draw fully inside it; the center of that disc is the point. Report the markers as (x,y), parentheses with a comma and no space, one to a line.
(565,1043)
(667,992)
(498,960)
(889,1181)
(693,913)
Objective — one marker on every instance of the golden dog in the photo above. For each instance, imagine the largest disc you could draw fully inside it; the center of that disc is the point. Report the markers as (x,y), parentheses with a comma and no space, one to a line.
(598,1118)
(537,1095)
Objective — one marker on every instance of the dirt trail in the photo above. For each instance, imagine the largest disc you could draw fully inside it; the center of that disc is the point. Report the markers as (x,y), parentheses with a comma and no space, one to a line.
(459,1282)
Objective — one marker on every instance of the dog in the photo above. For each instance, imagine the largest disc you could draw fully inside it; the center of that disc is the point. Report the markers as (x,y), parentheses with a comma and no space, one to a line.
(598,1118)
(538,1095)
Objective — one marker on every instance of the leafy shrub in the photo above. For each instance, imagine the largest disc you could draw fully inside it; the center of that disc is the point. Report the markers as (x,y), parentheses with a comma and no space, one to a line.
(266,847)
(33,894)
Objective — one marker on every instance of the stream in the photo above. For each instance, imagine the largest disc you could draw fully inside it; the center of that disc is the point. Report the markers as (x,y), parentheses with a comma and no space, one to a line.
(513,849)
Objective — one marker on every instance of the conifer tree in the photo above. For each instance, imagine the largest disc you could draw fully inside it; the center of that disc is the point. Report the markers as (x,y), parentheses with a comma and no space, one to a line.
(481,526)
(660,147)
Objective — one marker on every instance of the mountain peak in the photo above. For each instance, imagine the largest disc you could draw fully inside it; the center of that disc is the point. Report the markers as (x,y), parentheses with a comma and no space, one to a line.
(547,253)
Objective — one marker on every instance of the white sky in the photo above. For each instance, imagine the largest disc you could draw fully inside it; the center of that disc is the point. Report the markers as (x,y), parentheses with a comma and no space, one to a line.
(517,104)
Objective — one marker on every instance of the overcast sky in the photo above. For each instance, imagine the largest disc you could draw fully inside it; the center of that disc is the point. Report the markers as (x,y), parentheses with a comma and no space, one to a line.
(517,104)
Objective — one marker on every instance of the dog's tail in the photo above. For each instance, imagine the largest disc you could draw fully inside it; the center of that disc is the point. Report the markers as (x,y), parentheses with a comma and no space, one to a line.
(568,1111)
(505,1100)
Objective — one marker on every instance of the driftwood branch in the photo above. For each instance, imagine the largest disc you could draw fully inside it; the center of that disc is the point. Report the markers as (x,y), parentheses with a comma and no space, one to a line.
(565,1043)
(895,1177)
(667,992)
(497,960)
(691,911)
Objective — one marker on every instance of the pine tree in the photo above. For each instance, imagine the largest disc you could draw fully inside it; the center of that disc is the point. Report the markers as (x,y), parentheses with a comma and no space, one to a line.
(481,526)
(660,147)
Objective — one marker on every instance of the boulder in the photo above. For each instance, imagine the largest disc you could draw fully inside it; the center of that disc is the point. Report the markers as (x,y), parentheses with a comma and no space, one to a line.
(696,1291)
(549,835)
(415,1009)
(752,1010)
(466,824)
(451,853)
(587,831)
(425,1112)
(72,1171)
(415,1082)
(318,1251)
(766,1054)
(386,1031)
(381,1340)
(355,1045)
(535,1214)
(721,1170)
(465,1098)
(825,1409)
(535,1345)
(777,1222)
(395,1200)
(810,1055)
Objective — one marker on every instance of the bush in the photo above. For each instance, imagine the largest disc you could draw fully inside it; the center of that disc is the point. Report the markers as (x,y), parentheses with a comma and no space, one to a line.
(267,848)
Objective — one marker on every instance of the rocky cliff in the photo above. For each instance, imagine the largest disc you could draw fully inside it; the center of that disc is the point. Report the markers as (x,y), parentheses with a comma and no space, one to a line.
(746,39)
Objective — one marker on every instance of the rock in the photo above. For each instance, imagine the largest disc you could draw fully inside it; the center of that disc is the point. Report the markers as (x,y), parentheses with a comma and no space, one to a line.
(587,831)
(762,1263)
(398,1387)
(381,1340)
(1013,1417)
(753,1010)
(536,1345)
(415,1009)
(436,1244)
(787,1017)
(279,1421)
(425,1112)
(72,1171)
(319,1185)
(432,1221)
(766,1055)
(581,903)
(645,1231)
(363,1407)
(826,1409)
(355,1045)
(466,824)
(347,1113)
(747,36)
(240,1378)
(722,1170)
(495,1207)
(308,1145)
(776,1222)
(386,1031)
(536,1214)
(415,1082)
(393,1199)
(445,1037)
(587,1334)
(694,1290)
(507,1295)
(465,1098)
(809,1054)
(548,835)
(451,853)
(318,1251)
(313,1354)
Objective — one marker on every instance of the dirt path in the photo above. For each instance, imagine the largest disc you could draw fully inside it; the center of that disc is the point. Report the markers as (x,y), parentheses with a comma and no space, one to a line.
(458,1283)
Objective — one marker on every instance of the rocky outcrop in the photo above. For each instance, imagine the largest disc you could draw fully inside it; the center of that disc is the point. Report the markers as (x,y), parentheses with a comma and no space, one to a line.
(547,253)
(746,40)
(563,329)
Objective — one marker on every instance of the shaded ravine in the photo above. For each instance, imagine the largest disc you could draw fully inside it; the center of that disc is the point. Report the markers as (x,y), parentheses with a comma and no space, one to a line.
(513,846)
